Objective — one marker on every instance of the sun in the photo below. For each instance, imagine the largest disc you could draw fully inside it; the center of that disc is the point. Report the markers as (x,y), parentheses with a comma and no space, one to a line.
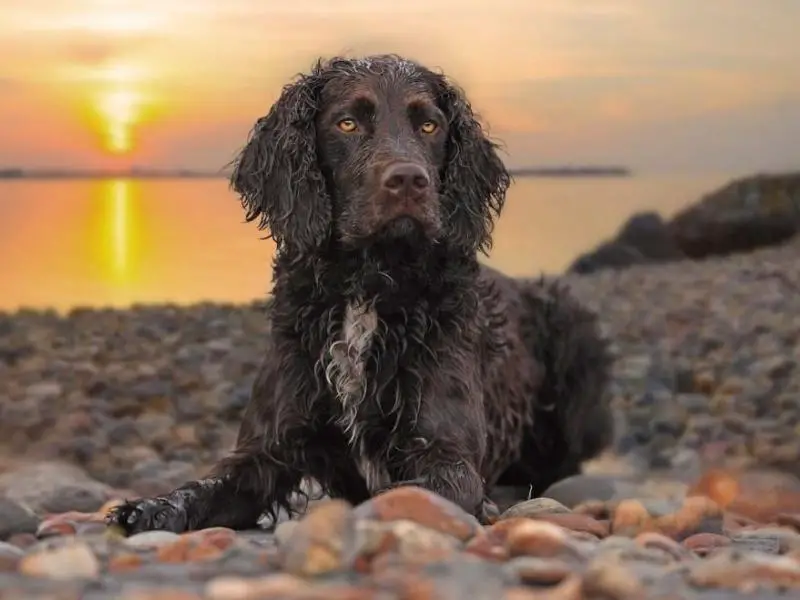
(119,112)
(114,93)
(118,103)
(115,101)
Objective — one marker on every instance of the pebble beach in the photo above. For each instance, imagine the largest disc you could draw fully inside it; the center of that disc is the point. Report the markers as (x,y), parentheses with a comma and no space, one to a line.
(700,497)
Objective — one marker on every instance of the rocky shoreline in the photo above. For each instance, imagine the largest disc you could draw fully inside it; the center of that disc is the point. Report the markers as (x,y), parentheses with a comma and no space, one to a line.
(745,214)
(701,497)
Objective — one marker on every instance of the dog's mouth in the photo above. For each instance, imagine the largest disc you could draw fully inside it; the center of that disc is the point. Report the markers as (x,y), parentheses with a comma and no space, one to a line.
(407,223)
(404,225)
(375,221)
(406,229)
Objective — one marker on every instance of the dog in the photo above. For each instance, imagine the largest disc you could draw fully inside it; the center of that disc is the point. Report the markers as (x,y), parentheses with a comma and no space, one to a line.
(394,357)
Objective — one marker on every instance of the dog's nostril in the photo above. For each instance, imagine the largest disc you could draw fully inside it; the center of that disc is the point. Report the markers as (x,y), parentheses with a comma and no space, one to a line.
(421,181)
(405,177)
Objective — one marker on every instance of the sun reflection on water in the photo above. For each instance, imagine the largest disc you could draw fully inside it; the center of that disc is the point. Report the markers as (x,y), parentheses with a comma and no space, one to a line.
(120,198)
(114,247)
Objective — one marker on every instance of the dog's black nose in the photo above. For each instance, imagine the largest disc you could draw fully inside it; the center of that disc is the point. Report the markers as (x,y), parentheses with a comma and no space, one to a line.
(405,180)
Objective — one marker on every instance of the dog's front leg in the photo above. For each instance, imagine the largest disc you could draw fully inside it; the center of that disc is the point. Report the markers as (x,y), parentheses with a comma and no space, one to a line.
(259,476)
(249,482)
(444,451)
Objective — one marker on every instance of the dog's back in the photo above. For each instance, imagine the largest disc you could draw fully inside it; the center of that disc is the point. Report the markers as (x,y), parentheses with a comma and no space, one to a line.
(545,384)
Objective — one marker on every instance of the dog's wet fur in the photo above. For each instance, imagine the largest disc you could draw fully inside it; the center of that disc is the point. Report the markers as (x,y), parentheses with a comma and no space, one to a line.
(393,355)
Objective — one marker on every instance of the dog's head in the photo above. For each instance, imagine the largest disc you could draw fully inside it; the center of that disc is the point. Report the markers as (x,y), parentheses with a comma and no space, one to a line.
(367,149)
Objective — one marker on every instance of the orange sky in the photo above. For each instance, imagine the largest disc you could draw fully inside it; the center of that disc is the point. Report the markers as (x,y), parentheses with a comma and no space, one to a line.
(658,84)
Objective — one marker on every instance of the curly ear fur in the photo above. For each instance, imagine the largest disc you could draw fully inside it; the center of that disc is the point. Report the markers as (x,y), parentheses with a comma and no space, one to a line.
(276,174)
(475,180)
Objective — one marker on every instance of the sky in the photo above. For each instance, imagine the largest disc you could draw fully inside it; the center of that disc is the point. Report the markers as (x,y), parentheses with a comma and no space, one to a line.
(654,84)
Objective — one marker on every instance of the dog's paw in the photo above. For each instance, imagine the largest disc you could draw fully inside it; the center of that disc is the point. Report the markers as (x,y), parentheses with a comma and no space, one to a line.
(148,514)
(488,512)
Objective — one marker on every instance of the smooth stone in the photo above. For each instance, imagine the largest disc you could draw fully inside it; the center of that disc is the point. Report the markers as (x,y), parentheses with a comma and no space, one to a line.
(535,506)
(229,587)
(539,571)
(10,550)
(581,488)
(10,556)
(53,487)
(73,561)
(15,518)
(324,541)
(410,540)
(284,531)
(460,577)
(421,506)
(540,539)
(151,539)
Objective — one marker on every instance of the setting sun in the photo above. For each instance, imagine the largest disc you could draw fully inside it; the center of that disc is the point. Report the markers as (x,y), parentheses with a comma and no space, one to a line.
(119,111)
(112,83)
(113,98)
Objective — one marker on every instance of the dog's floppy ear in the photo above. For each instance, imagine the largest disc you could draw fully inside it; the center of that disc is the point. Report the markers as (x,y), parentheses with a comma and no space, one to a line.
(475,180)
(277,176)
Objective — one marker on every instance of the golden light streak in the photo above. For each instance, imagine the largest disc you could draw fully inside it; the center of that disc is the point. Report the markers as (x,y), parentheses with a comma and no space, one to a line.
(119,195)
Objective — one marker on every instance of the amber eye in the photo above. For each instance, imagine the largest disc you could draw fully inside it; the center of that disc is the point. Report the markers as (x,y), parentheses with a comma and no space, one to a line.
(347,125)
(429,127)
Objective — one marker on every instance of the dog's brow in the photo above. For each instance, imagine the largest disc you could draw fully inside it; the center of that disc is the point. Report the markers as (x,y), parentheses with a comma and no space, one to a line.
(362,101)
(422,107)
(418,101)
(357,103)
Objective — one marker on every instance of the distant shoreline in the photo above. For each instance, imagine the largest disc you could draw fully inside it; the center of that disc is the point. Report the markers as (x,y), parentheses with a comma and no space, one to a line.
(587,171)
(39,174)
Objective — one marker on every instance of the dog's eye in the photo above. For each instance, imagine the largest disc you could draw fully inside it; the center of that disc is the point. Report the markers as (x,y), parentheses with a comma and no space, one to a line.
(428,127)
(347,125)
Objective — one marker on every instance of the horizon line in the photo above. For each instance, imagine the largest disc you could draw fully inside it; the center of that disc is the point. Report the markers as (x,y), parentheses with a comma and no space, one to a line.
(188,173)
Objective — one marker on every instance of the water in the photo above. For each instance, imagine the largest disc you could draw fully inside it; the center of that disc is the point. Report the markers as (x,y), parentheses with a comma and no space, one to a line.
(115,242)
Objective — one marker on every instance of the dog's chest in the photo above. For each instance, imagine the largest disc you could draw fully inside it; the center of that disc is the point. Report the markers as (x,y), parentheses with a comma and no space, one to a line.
(347,353)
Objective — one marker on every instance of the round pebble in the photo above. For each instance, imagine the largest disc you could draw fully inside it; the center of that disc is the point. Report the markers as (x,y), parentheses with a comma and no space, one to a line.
(151,539)
(71,561)
(15,519)
(535,506)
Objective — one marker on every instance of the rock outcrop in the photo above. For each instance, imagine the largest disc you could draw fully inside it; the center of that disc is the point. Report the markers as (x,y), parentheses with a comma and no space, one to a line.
(644,238)
(747,213)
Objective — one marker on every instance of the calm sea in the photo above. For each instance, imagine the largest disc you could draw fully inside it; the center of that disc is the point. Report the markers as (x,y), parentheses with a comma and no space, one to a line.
(117,242)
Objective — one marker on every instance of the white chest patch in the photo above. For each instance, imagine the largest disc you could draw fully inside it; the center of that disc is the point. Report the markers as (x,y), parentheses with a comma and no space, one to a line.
(346,360)
(345,372)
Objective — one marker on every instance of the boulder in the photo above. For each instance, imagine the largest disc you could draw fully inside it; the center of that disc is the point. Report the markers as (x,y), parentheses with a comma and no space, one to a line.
(745,214)
(644,238)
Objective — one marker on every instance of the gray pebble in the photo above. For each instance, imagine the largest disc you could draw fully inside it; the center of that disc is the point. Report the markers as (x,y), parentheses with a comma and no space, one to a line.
(15,518)
(536,506)
(10,551)
(284,531)
(581,488)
